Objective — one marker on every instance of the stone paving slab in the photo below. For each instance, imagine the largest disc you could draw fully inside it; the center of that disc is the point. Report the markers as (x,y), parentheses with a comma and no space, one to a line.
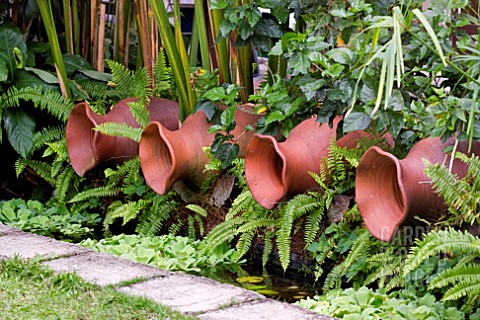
(6,230)
(267,309)
(27,245)
(103,269)
(191,294)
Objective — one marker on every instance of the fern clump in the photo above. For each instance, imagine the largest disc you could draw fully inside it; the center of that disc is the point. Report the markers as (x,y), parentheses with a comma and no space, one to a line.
(462,196)
(464,278)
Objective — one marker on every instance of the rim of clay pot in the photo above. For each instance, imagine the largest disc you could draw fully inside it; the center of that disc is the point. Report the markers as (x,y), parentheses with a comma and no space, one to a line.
(81,152)
(156,157)
(272,176)
(380,194)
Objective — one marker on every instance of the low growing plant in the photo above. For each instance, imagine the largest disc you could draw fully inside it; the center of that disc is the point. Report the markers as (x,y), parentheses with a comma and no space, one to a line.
(168,252)
(52,221)
(365,303)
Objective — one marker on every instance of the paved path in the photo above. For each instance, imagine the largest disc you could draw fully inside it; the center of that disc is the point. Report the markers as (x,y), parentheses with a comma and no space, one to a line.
(197,296)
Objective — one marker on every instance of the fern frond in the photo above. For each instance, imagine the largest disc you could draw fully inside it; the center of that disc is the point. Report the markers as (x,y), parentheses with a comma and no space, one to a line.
(359,249)
(197,209)
(98,192)
(63,183)
(268,247)
(454,191)
(312,224)
(126,211)
(162,75)
(242,202)
(160,211)
(48,134)
(294,209)
(51,101)
(43,169)
(140,113)
(442,241)
(123,170)
(244,243)
(142,88)
(120,130)
(122,78)
(464,279)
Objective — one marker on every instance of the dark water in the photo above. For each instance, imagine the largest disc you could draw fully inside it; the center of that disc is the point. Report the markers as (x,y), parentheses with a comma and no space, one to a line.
(271,280)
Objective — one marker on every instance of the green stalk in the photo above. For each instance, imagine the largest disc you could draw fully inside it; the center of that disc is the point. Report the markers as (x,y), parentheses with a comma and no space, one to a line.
(47,17)
(68,23)
(221,47)
(194,46)
(246,74)
(76,27)
(182,80)
(202,33)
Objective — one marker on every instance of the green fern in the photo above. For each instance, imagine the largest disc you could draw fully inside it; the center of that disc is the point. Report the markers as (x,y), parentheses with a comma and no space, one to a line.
(443,241)
(162,77)
(463,279)
(295,208)
(98,192)
(49,100)
(120,130)
(359,249)
(126,211)
(140,113)
(153,218)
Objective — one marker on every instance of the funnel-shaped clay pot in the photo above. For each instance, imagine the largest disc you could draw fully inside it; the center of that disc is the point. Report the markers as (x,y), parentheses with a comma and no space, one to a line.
(169,156)
(274,170)
(390,191)
(87,147)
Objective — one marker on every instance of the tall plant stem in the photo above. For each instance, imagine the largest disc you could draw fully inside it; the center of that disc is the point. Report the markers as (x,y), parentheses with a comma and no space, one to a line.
(67,17)
(202,33)
(194,43)
(221,47)
(145,36)
(75,27)
(47,17)
(182,78)
(93,31)
(101,39)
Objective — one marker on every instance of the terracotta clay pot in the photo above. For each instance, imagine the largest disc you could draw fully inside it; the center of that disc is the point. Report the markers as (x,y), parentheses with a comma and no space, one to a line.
(169,156)
(390,191)
(274,170)
(87,147)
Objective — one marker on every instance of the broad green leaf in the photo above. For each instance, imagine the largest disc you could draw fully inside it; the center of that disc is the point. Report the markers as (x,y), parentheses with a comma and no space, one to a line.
(74,63)
(102,76)
(356,121)
(3,71)
(44,75)
(227,153)
(9,40)
(274,116)
(25,79)
(19,126)
(341,55)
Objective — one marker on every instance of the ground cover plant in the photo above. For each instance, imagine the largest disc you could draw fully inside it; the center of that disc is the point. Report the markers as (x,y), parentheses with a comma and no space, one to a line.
(31,291)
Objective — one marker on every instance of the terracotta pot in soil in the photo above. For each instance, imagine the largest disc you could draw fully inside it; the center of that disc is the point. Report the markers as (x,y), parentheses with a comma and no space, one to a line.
(87,148)
(274,170)
(390,192)
(168,156)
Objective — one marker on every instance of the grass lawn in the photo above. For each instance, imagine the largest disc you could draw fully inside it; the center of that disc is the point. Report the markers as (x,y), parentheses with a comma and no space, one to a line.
(32,291)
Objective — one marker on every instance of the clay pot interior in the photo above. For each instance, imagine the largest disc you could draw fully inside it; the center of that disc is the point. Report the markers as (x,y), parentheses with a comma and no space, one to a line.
(87,147)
